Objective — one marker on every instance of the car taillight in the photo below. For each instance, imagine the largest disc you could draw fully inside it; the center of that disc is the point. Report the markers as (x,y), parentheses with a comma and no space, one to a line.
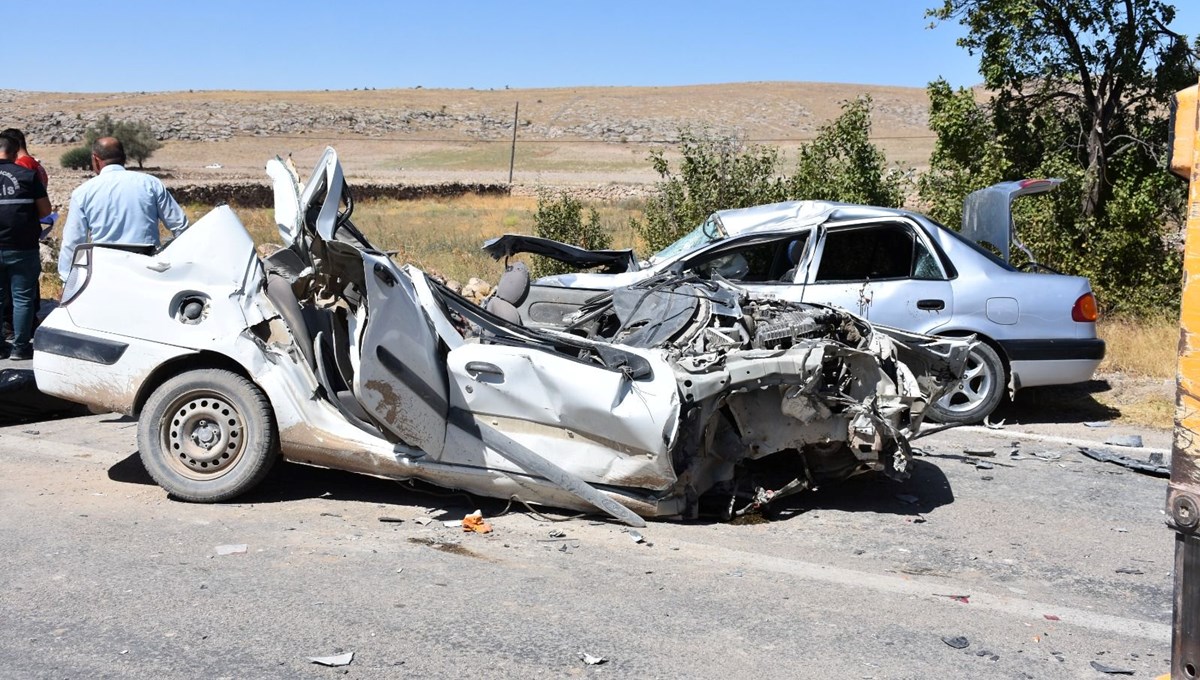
(1085,308)
(77,278)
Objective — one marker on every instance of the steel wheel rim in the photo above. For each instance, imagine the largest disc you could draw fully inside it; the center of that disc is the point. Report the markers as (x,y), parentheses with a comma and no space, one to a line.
(972,390)
(203,435)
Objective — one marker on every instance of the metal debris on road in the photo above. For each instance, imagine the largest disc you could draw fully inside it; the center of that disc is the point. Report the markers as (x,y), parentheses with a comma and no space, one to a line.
(1148,467)
(983,465)
(557,533)
(453,524)
(1097,423)
(1110,669)
(591,659)
(982,453)
(1130,570)
(959,642)
(393,520)
(636,536)
(993,426)
(231,549)
(1046,455)
(1130,440)
(335,661)
(422,520)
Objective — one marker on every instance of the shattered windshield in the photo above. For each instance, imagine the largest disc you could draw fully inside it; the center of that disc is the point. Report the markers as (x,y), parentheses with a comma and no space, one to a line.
(710,231)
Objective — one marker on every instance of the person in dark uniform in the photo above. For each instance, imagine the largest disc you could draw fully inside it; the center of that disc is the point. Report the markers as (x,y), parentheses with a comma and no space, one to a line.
(23,203)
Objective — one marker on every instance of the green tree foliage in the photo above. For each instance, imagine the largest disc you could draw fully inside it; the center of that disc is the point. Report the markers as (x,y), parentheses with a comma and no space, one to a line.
(718,173)
(560,217)
(841,163)
(1079,90)
(79,158)
(137,137)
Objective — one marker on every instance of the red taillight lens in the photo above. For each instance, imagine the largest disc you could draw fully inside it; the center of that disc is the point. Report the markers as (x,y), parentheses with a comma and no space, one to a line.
(1085,308)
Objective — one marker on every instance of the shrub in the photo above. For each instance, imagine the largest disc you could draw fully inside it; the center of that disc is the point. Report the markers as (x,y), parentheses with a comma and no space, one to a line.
(560,217)
(79,158)
(137,137)
(719,173)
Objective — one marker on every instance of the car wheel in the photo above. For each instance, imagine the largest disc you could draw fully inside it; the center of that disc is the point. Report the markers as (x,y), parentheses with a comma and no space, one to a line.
(207,435)
(978,393)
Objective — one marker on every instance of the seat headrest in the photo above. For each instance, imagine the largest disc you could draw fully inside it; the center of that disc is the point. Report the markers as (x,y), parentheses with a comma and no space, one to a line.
(514,284)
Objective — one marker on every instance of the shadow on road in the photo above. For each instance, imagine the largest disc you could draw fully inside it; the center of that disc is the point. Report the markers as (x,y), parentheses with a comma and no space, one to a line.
(926,489)
(1057,404)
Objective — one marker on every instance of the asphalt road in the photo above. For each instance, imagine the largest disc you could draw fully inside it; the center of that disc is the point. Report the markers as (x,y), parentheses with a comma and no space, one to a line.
(104,576)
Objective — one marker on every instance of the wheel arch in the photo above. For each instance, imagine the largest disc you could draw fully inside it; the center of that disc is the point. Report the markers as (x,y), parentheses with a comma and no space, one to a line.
(188,362)
(996,347)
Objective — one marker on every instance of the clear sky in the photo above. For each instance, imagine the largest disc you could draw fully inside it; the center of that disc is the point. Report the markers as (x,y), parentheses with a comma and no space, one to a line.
(134,45)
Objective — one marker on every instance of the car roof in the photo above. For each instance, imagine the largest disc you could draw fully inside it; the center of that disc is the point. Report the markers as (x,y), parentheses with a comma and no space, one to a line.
(794,215)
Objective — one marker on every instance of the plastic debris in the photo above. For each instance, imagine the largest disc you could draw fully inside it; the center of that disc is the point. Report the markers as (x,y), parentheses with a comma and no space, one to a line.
(474,522)
(1097,423)
(231,549)
(1110,669)
(993,426)
(422,520)
(1046,455)
(982,453)
(335,661)
(557,533)
(393,520)
(965,599)
(983,465)
(1130,570)
(1148,467)
(959,642)
(636,536)
(453,524)
(1132,440)
(591,659)
(1051,617)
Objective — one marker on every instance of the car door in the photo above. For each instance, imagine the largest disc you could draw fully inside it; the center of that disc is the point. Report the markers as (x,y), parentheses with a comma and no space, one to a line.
(401,380)
(885,271)
(597,423)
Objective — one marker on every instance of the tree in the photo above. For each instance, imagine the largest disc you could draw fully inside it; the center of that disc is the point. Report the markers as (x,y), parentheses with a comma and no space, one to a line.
(1100,68)
(1078,90)
(137,137)
(841,163)
(719,173)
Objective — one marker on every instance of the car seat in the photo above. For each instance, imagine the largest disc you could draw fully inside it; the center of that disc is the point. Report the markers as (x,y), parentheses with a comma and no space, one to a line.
(511,291)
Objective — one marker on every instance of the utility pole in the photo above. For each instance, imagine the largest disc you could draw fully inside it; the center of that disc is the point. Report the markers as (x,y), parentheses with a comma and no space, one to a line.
(512,156)
(1183,495)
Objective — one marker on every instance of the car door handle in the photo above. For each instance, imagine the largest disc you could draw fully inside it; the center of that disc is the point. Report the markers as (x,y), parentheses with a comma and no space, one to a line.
(931,304)
(478,368)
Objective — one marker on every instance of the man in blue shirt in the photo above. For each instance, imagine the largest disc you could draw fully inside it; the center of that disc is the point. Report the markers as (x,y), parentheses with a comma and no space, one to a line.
(22,203)
(117,206)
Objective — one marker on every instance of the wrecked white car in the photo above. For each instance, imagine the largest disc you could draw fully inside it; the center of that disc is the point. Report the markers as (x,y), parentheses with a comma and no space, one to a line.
(328,353)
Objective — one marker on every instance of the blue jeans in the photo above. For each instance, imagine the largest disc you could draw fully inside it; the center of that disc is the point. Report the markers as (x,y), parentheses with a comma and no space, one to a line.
(19,271)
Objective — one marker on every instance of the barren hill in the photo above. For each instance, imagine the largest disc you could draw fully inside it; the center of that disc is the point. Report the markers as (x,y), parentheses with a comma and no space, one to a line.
(594,135)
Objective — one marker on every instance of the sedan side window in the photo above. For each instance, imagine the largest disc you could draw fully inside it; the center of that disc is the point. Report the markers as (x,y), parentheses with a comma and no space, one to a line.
(887,251)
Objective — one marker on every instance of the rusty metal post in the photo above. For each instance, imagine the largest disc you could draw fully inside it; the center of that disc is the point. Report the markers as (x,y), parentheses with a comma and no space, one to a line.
(1183,496)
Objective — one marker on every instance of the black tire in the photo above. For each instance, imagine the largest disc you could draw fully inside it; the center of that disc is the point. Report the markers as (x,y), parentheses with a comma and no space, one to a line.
(977,395)
(207,436)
